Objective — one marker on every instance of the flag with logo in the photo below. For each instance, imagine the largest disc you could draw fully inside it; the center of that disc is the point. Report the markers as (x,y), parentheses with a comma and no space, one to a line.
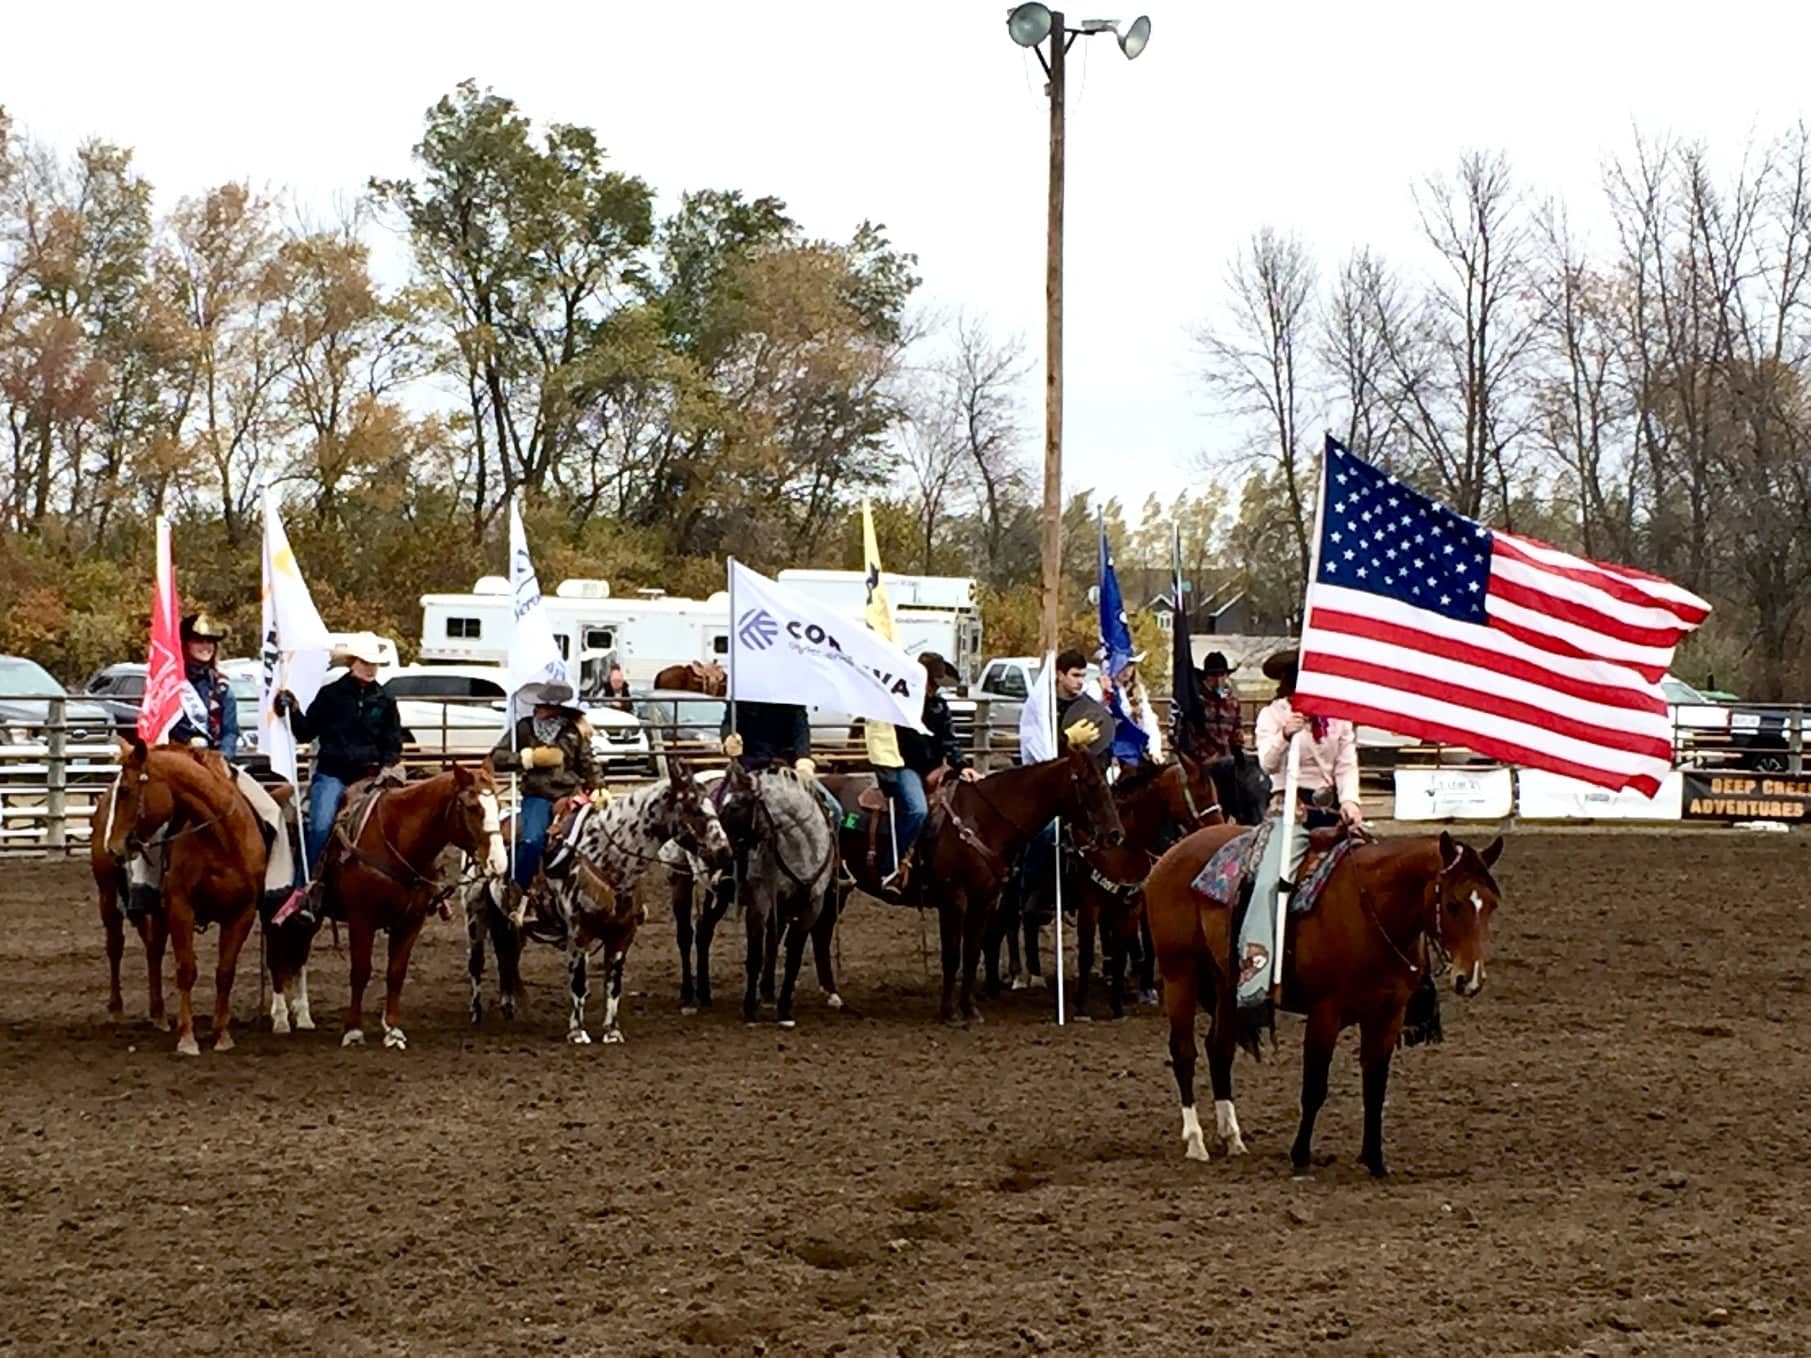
(1037,719)
(785,647)
(169,696)
(295,649)
(881,740)
(1424,622)
(537,671)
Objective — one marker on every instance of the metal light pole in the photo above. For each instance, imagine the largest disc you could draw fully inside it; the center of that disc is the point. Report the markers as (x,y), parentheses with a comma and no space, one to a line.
(1029,25)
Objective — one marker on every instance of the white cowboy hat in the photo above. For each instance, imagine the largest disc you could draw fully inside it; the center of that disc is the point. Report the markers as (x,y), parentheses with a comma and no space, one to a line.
(360,646)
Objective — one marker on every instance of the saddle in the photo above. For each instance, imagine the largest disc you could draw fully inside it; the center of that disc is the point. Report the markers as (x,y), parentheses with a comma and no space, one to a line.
(866,804)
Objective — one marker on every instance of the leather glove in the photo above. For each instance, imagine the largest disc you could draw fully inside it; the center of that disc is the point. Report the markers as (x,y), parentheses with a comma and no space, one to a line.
(284,703)
(545,757)
(732,745)
(600,798)
(806,767)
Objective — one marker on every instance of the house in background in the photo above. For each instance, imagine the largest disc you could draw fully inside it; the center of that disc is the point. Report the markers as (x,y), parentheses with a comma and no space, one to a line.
(1226,610)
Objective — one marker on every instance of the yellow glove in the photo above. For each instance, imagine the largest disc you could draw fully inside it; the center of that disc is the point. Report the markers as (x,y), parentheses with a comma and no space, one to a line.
(545,757)
(1083,734)
(732,745)
(806,768)
(600,798)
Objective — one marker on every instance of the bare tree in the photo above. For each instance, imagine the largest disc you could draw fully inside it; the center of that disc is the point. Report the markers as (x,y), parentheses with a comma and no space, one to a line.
(1364,311)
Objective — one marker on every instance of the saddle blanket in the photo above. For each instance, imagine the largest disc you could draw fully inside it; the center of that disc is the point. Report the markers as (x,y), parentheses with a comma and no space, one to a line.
(1237,859)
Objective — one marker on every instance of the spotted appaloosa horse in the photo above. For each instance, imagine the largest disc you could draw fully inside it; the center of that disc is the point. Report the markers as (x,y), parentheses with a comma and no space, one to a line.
(599,864)
(1357,958)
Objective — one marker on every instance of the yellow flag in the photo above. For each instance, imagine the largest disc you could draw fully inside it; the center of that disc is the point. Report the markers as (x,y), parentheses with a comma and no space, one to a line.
(881,740)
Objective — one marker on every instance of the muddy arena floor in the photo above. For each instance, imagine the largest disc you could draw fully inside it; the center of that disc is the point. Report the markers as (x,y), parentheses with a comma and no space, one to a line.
(1610,1154)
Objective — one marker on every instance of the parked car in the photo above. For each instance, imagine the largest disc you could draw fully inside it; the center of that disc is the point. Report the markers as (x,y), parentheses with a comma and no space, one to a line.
(1710,733)
(462,710)
(120,689)
(26,691)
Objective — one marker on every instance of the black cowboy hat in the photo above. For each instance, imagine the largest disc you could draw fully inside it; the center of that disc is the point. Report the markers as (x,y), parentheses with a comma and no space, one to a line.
(1280,665)
(1215,663)
(937,670)
(200,627)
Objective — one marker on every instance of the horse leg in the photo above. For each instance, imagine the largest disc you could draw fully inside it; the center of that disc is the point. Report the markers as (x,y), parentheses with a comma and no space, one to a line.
(477,909)
(1147,961)
(771,956)
(361,933)
(1222,1047)
(1113,943)
(114,923)
(1087,915)
(578,987)
(232,938)
(823,935)
(949,928)
(155,931)
(613,994)
(1179,993)
(506,943)
(182,940)
(1377,1043)
(1318,1041)
(1034,962)
(974,935)
(299,1012)
(797,932)
(755,919)
(683,891)
(396,974)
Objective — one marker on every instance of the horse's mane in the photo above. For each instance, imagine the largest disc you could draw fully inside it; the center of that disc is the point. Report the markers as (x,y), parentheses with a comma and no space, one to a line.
(1146,773)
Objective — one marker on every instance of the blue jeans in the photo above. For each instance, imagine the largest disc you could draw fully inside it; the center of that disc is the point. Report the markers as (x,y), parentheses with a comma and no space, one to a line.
(906,789)
(325,793)
(532,824)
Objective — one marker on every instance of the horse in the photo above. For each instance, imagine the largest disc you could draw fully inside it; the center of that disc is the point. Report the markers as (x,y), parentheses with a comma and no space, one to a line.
(213,854)
(972,842)
(599,863)
(698,676)
(1156,804)
(1357,958)
(380,874)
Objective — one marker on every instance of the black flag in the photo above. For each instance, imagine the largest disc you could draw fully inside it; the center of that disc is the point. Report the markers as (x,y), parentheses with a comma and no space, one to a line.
(1187,717)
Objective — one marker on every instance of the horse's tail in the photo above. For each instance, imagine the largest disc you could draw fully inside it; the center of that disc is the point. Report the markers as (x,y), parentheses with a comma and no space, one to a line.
(1253,1021)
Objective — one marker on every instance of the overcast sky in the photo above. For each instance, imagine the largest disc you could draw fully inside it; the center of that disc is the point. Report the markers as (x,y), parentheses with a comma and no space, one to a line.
(1313,117)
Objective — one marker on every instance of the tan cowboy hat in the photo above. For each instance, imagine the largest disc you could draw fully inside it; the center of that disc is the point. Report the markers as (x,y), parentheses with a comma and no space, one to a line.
(1280,664)
(360,646)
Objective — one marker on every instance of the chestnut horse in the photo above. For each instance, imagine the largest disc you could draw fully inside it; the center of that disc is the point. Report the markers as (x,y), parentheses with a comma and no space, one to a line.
(699,676)
(382,877)
(1357,958)
(976,838)
(213,853)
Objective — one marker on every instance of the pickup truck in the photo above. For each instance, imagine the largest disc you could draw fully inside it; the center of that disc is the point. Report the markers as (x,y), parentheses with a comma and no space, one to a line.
(1708,733)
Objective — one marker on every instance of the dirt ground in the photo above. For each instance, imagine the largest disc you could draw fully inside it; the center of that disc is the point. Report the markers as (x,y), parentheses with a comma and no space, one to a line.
(1608,1155)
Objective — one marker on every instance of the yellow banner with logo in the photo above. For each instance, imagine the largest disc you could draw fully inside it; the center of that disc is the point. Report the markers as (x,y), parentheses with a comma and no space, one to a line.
(881,739)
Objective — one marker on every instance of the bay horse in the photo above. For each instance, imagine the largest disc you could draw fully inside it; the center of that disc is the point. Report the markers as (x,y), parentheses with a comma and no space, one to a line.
(213,854)
(705,677)
(1357,958)
(973,841)
(380,874)
(594,899)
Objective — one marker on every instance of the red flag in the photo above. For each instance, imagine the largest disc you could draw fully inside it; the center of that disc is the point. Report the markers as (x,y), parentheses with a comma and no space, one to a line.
(165,679)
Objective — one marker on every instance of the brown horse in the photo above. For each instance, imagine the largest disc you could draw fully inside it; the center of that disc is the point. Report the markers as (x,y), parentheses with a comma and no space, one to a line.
(698,676)
(1358,958)
(382,877)
(213,855)
(973,842)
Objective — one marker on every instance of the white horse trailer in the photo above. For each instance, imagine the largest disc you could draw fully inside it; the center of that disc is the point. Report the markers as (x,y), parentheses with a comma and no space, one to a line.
(930,612)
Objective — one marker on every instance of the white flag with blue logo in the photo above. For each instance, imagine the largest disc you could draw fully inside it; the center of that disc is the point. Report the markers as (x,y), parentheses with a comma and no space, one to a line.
(787,648)
(537,670)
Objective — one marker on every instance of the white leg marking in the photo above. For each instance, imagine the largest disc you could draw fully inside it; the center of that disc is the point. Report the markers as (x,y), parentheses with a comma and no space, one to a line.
(1226,1123)
(298,1006)
(355,1037)
(394,1039)
(188,1046)
(279,1013)
(835,1001)
(1194,1145)
(496,855)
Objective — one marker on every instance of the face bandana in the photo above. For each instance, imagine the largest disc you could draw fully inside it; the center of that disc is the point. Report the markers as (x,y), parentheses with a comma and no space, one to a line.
(547,730)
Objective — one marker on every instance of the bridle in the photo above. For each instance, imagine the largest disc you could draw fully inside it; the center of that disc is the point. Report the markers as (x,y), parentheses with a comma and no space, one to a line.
(415,879)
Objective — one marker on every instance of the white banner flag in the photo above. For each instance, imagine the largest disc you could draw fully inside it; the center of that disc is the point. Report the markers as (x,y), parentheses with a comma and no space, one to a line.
(294,648)
(787,648)
(1037,719)
(537,670)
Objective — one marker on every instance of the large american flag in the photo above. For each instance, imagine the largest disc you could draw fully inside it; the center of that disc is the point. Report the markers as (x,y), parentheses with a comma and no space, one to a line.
(1424,622)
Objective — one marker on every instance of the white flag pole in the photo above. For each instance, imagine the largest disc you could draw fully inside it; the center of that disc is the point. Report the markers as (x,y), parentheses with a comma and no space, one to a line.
(732,645)
(307,868)
(1050,707)
(1287,862)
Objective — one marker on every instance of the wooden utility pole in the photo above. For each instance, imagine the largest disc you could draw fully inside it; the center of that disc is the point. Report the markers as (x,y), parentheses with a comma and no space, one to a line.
(1052,538)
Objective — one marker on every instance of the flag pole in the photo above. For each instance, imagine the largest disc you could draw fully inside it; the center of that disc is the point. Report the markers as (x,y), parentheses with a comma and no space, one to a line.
(732,645)
(1292,842)
(1057,847)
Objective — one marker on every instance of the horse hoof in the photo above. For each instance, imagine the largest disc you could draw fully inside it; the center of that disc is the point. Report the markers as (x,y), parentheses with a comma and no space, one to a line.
(1020,983)
(687,1010)
(1376,1168)
(613,1037)
(835,1001)
(789,1023)
(354,1037)
(1236,1146)
(224,1042)
(578,1037)
(1196,1150)
(188,1046)
(394,1040)
(160,1023)
(280,1025)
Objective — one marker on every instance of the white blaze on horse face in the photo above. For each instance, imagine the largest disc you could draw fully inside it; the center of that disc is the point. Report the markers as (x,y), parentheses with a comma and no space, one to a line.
(1477,903)
(496,857)
(1194,1145)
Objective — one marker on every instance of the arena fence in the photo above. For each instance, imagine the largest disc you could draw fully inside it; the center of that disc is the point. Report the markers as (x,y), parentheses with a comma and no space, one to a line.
(52,770)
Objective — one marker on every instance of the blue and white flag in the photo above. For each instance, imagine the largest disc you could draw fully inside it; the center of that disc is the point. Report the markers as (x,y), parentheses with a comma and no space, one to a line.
(785,647)
(537,670)
(1115,630)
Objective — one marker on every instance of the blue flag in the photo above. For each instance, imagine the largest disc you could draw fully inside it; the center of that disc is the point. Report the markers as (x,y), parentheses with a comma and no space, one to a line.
(1115,631)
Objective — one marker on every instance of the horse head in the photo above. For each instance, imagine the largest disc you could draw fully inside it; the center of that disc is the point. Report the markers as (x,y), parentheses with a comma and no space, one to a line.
(1194,800)
(1464,897)
(476,820)
(1241,787)
(691,820)
(736,803)
(1091,803)
(141,803)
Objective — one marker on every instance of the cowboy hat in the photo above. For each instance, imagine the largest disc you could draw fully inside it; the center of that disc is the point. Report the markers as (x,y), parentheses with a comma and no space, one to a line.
(1215,663)
(201,627)
(359,646)
(936,669)
(1279,665)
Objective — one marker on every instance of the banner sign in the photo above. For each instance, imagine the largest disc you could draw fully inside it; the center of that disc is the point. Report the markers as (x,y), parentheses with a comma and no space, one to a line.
(1552,796)
(1747,796)
(1454,794)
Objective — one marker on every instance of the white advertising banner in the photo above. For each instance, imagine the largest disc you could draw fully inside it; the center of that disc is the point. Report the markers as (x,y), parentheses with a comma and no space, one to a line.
(1550,796)
(1454,794)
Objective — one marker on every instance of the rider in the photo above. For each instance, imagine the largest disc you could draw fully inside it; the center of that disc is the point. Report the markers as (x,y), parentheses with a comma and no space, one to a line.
(1220,732)
(552,747)
(201,638)
(924,755)
(1137,735)
(1074,706)
(360,735)
(1326,776)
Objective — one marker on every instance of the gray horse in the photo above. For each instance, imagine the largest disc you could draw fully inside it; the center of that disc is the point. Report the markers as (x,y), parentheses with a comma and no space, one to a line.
(786,862)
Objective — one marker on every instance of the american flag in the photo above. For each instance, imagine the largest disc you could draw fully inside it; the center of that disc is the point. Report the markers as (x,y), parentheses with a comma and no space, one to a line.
(1424,622)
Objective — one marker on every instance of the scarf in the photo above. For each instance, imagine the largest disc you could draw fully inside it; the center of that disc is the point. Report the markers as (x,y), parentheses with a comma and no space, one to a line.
(547,730)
